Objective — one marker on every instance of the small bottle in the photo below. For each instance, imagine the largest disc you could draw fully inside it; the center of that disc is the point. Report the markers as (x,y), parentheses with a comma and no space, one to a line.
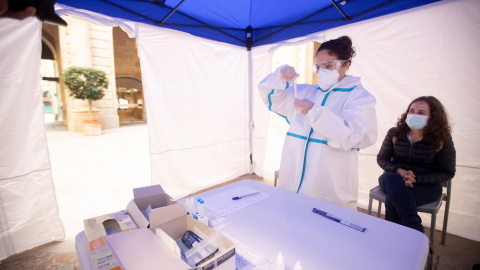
(193,206)
(189,208)
(200,208)
(280,262)
(204,220)
(298,266)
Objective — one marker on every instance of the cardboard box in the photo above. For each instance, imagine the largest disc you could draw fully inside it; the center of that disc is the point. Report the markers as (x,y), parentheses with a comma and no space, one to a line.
(154,196)
(96,229)
(172,222)
(142,250)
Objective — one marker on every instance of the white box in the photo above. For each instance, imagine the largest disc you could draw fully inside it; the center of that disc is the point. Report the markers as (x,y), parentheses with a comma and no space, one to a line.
(96,229)
(142,250)
(154,196)
(172,222)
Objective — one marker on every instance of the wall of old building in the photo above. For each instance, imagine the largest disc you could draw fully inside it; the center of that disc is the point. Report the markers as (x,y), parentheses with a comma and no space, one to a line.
(88,45)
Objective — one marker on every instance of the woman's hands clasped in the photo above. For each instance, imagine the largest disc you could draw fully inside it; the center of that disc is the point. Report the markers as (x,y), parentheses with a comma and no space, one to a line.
(408,176)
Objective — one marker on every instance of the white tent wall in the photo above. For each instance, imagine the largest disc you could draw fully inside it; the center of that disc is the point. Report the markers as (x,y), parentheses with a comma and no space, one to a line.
(198,105)
(197,102)
(430,50)
(262,65)
(28,208)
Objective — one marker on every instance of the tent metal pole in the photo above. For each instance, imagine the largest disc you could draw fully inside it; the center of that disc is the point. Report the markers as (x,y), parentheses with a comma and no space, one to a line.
(341,11)
(128,10)
(249,44)
(250,109)
(171,12)
(160,23)
(292,24)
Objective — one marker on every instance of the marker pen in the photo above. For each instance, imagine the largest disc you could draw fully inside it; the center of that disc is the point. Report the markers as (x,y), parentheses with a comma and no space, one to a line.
(341,221)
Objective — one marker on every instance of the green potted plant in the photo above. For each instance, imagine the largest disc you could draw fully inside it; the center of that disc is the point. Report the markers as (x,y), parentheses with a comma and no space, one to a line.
(87,84)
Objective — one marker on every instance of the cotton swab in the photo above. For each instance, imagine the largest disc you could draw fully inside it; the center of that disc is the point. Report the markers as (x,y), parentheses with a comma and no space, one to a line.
(295,89)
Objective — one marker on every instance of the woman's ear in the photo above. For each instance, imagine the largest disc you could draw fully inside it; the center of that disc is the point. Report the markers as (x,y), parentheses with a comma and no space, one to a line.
(344,69)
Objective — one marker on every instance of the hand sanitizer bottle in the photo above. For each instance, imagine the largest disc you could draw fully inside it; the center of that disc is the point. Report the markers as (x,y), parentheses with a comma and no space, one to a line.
(298,266)
(280,262)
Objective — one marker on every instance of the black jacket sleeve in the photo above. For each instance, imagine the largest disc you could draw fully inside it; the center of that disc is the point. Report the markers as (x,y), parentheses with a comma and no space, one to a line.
(385,155)
(445,166)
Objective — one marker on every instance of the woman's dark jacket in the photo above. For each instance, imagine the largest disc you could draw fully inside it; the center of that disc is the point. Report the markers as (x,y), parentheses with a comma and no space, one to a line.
(430,165)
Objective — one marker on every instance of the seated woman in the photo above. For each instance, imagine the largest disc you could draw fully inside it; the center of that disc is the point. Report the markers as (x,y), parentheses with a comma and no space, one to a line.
(417,156)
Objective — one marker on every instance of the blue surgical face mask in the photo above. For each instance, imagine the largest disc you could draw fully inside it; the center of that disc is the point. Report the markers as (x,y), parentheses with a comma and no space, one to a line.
(415,121)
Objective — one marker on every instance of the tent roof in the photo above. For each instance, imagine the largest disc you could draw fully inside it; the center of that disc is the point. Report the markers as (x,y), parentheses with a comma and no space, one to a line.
(227,21)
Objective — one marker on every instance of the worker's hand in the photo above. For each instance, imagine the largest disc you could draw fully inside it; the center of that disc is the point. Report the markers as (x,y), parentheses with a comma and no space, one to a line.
(288,73)
(302,106)
(19,15)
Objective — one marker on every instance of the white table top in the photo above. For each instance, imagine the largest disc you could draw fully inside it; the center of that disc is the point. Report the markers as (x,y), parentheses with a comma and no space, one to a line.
(285,223)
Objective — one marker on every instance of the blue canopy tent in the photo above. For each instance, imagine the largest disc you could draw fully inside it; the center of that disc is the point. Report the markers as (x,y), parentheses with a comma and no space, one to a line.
(232,36)
(246,23)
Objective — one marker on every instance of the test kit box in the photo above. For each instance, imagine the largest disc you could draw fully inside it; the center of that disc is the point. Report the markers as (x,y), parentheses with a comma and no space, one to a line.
(99,227)
(153,196)
(172,222)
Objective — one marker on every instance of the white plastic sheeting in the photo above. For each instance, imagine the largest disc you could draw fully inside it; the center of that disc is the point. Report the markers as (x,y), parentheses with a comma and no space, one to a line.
(200,104)
(430,50)
(198,109)
(28,207)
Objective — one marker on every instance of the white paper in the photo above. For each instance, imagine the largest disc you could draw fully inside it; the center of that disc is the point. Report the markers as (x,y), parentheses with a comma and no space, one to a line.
(247,258)
(222,203)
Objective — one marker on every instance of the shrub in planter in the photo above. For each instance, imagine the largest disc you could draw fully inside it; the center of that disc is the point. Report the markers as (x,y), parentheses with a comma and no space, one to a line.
(86,84)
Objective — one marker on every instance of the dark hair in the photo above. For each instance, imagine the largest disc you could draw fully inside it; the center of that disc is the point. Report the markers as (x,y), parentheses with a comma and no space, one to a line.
(437,130)
(340,47)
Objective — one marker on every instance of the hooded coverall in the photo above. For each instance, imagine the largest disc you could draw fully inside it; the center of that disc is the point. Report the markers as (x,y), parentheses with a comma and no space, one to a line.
(319,156)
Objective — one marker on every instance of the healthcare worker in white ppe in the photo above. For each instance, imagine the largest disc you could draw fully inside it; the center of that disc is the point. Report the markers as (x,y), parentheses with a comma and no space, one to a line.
(329,123)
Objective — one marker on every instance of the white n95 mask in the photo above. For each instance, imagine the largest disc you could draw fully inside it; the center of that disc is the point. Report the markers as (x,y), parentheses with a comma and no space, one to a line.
(415,121)
(327,78)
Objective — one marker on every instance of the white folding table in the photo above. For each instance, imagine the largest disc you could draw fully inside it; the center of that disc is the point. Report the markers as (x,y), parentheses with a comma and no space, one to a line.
(285,223)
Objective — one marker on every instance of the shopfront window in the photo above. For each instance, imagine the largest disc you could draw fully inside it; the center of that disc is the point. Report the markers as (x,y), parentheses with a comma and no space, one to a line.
(52,100)
(129,100)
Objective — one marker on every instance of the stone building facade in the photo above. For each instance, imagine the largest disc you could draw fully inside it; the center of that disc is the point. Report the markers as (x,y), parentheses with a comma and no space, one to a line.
(101,47)
(111,50)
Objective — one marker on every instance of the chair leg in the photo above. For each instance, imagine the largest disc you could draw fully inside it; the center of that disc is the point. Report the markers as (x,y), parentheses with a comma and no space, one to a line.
(370,201)
(445,222)
(432,232)
(379,209)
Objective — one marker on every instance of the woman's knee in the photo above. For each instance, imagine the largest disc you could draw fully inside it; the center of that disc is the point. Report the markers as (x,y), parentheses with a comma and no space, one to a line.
(389,179)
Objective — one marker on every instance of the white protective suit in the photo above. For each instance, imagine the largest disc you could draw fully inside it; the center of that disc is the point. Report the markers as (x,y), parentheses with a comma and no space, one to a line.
(319,156)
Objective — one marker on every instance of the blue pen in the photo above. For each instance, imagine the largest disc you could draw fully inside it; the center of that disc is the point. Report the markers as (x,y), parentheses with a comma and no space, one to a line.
(343,222)
(239,197)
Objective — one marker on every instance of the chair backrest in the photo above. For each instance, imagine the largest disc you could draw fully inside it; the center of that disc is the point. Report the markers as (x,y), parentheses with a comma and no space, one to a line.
(434,207)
